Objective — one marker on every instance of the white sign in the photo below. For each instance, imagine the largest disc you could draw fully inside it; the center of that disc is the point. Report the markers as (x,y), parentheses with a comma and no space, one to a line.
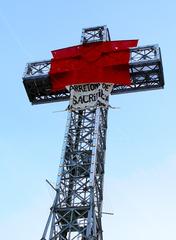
(89,95)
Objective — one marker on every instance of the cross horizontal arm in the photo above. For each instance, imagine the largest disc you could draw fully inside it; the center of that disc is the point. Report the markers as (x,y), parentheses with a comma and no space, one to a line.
(145,70)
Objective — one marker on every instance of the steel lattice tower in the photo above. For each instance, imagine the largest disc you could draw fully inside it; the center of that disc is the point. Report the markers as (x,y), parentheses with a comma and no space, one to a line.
(77,208)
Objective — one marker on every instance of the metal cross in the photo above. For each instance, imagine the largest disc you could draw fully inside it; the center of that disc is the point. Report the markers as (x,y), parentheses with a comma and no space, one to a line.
(77,208)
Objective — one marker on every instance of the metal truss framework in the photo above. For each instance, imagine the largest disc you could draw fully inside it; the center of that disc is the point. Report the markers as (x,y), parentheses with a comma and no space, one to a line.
(77,208)
(145,69)
(95,34)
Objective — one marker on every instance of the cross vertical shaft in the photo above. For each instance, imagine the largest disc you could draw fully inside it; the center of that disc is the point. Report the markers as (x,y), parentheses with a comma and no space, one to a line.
(77,208)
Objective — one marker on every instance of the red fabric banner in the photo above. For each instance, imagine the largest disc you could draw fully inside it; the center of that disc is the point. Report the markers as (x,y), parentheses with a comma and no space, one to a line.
(101,62)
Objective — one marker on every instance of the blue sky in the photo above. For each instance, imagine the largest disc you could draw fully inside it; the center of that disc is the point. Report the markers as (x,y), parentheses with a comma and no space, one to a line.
(141,155)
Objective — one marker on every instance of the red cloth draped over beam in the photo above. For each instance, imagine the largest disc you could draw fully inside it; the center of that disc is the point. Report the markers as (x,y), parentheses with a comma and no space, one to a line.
(106,62)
